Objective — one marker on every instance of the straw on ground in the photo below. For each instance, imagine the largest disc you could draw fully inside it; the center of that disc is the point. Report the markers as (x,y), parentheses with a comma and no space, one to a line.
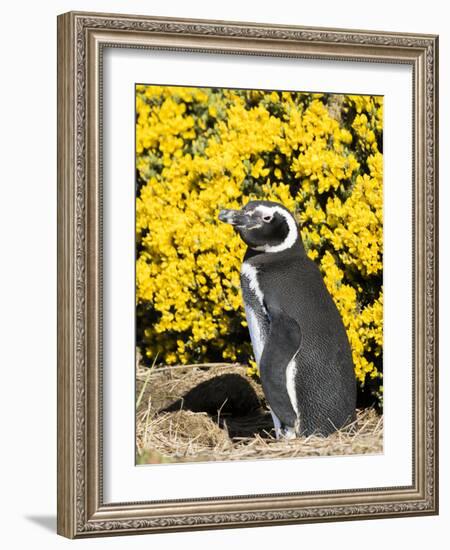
(185,436)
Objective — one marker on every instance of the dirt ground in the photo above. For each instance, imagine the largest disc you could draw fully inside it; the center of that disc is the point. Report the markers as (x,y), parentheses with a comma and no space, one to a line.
(186,436)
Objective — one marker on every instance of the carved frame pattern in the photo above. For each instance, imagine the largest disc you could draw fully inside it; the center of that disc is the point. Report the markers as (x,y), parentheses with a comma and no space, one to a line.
(81,37)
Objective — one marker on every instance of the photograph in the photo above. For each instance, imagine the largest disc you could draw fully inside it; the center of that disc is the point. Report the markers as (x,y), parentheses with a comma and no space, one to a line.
(247,274)
(223,240)
(259,274)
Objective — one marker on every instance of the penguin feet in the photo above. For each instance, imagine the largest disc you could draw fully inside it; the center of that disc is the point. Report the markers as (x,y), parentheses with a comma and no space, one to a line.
(288,433)
(281,431)
(285,432)
(276,424)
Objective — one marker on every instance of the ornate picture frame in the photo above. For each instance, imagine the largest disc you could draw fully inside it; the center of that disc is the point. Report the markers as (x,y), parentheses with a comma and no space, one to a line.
(82,510)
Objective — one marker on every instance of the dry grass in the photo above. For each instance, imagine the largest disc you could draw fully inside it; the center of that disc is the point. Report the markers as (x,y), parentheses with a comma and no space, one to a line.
(185,436)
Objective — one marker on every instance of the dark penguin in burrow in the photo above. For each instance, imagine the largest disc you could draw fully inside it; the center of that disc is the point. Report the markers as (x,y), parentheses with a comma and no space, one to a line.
(298,337)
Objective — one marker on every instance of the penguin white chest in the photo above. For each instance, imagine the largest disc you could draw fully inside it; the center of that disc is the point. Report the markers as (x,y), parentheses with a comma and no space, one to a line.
(255,311)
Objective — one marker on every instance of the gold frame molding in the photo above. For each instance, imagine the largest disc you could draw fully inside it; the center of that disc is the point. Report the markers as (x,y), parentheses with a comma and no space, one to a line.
(81,39)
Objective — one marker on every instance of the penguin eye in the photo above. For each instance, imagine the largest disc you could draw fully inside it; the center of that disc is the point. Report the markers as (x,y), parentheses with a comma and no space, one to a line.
(267,218)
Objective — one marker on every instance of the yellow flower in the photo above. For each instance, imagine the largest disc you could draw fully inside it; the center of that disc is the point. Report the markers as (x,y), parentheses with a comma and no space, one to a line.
(202,149)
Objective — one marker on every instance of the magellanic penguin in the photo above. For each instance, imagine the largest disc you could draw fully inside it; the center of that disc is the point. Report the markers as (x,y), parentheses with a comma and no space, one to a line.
(298,337)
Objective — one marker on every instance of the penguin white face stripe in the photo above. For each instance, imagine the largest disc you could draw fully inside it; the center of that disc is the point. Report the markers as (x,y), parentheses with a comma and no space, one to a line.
(250,273)
(292,235)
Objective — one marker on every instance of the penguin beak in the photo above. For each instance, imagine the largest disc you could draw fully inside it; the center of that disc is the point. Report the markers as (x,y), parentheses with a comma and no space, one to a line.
(236,218)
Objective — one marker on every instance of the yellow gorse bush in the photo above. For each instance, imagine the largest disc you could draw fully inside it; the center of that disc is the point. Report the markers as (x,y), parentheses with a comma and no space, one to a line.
(202,149)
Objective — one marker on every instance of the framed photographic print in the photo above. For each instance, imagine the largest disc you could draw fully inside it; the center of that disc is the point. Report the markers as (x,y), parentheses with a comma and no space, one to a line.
(247,282)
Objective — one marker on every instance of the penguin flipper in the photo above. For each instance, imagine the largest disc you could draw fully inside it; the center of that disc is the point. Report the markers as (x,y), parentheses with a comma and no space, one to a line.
(280,349)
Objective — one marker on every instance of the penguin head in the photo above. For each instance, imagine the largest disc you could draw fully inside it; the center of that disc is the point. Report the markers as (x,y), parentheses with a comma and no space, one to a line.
(264,226)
